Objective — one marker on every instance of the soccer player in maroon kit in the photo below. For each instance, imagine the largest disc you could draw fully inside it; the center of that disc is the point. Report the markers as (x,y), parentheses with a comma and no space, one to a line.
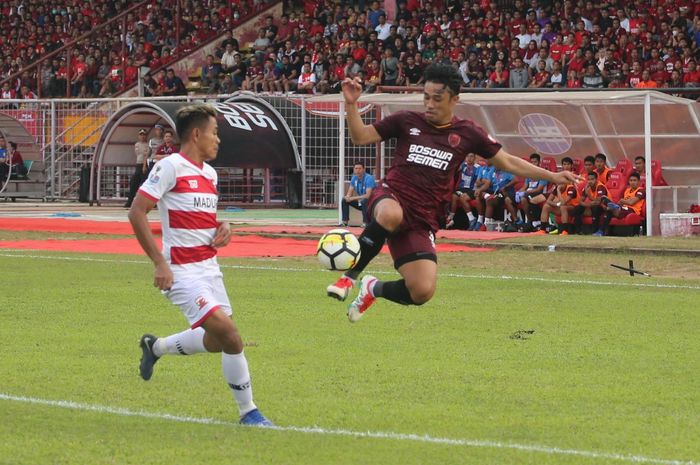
(406,207)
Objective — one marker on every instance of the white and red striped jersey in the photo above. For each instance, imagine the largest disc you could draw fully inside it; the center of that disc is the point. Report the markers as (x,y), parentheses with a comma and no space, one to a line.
(187,197)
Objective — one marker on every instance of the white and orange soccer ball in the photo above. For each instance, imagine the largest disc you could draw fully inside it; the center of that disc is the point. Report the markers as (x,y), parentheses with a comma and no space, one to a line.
(338,250)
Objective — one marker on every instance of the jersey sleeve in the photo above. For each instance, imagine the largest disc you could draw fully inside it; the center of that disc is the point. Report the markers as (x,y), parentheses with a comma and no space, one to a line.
(160,181)
(391,125)
(484,144)
(371,183)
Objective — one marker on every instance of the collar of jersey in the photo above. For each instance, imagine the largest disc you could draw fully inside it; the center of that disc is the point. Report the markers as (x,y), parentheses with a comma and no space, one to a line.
(198,165)
(443,126)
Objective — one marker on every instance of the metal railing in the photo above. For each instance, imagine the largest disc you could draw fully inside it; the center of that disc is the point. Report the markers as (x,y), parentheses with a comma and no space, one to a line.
(67,132)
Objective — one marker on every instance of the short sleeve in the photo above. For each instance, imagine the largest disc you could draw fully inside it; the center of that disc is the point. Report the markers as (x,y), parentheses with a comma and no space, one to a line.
(391,125)
(571,191)
(484,144)
(370,184)
(640,194)
(160,181)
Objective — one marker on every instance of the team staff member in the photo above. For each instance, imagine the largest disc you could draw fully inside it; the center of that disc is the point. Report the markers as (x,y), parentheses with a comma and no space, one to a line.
(632,202)
(361,186)
(468,172)
(142,151)
(562,201)
(590,204)
(168,146)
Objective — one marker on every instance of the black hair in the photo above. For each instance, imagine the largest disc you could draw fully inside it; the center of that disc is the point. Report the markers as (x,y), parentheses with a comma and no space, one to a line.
(444,74)
(359,163)
(192,116)
(589,158)
(536,156)
(639,158)
(601,156)
(634,174)
(567,160)
(593,173)
(13,145)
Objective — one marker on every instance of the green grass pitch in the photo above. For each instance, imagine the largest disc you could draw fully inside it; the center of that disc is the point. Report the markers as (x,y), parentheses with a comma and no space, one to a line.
(564,362)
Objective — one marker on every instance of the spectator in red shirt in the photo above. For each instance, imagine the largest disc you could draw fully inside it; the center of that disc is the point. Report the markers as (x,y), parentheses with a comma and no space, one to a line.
(556,52)
(573,80)
(7,92)
(78,77)
(168,146)
(541,77)
(499,77)
(284,30)
(635,75)
(254,76)
(359,52)
(131,73)
(692,77)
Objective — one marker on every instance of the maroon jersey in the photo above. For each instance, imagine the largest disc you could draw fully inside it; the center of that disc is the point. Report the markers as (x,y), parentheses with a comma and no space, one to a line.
(427,159)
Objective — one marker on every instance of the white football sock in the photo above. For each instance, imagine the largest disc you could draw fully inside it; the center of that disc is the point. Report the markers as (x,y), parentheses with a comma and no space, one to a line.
(235,368)
(188,342)
(470,215)
(481,219)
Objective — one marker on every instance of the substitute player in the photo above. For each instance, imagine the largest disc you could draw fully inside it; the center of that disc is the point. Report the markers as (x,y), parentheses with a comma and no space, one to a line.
(406,206)
(184,187)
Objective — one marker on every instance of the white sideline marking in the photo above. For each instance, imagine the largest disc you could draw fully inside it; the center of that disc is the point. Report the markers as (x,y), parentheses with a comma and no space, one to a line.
(359,434)
(307,270)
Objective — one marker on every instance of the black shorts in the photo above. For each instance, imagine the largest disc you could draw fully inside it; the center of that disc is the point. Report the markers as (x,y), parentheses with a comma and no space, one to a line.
(501,199)
(466,190)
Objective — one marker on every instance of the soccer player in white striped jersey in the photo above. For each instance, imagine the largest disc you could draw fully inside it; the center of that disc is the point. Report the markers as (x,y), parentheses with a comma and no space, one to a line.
(186,271)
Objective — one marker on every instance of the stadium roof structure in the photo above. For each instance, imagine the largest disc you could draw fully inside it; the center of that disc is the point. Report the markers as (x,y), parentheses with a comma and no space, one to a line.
(258,132)
(620,124)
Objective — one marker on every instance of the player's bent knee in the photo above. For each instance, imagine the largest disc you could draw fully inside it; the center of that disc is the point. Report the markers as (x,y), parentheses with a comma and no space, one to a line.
(421,294)
(223,334)
(390,218)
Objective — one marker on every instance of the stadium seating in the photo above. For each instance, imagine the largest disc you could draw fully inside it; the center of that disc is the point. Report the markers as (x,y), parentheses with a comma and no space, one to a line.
(549,163)
(656,174)
(624,166)
(616,185)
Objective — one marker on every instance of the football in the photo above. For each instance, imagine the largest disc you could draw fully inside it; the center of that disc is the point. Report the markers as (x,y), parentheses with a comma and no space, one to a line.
(338,249)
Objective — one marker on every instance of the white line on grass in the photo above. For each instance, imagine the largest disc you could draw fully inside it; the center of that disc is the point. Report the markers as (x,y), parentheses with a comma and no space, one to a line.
(360,434)
(306,270)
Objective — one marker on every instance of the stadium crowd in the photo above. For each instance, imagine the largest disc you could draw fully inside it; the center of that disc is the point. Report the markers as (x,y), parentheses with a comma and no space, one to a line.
(518,44)
(101,65)
(531,44)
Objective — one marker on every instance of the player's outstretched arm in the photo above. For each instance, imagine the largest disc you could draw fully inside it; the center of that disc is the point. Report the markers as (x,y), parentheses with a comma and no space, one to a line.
(138,216)
(360,133)
(515,165)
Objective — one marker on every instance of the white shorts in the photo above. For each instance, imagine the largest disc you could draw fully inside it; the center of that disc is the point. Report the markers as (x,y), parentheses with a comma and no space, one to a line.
(199,298)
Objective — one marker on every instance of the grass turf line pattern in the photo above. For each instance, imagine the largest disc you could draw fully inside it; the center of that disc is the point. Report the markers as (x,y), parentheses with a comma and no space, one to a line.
(66,404)
(308,270)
